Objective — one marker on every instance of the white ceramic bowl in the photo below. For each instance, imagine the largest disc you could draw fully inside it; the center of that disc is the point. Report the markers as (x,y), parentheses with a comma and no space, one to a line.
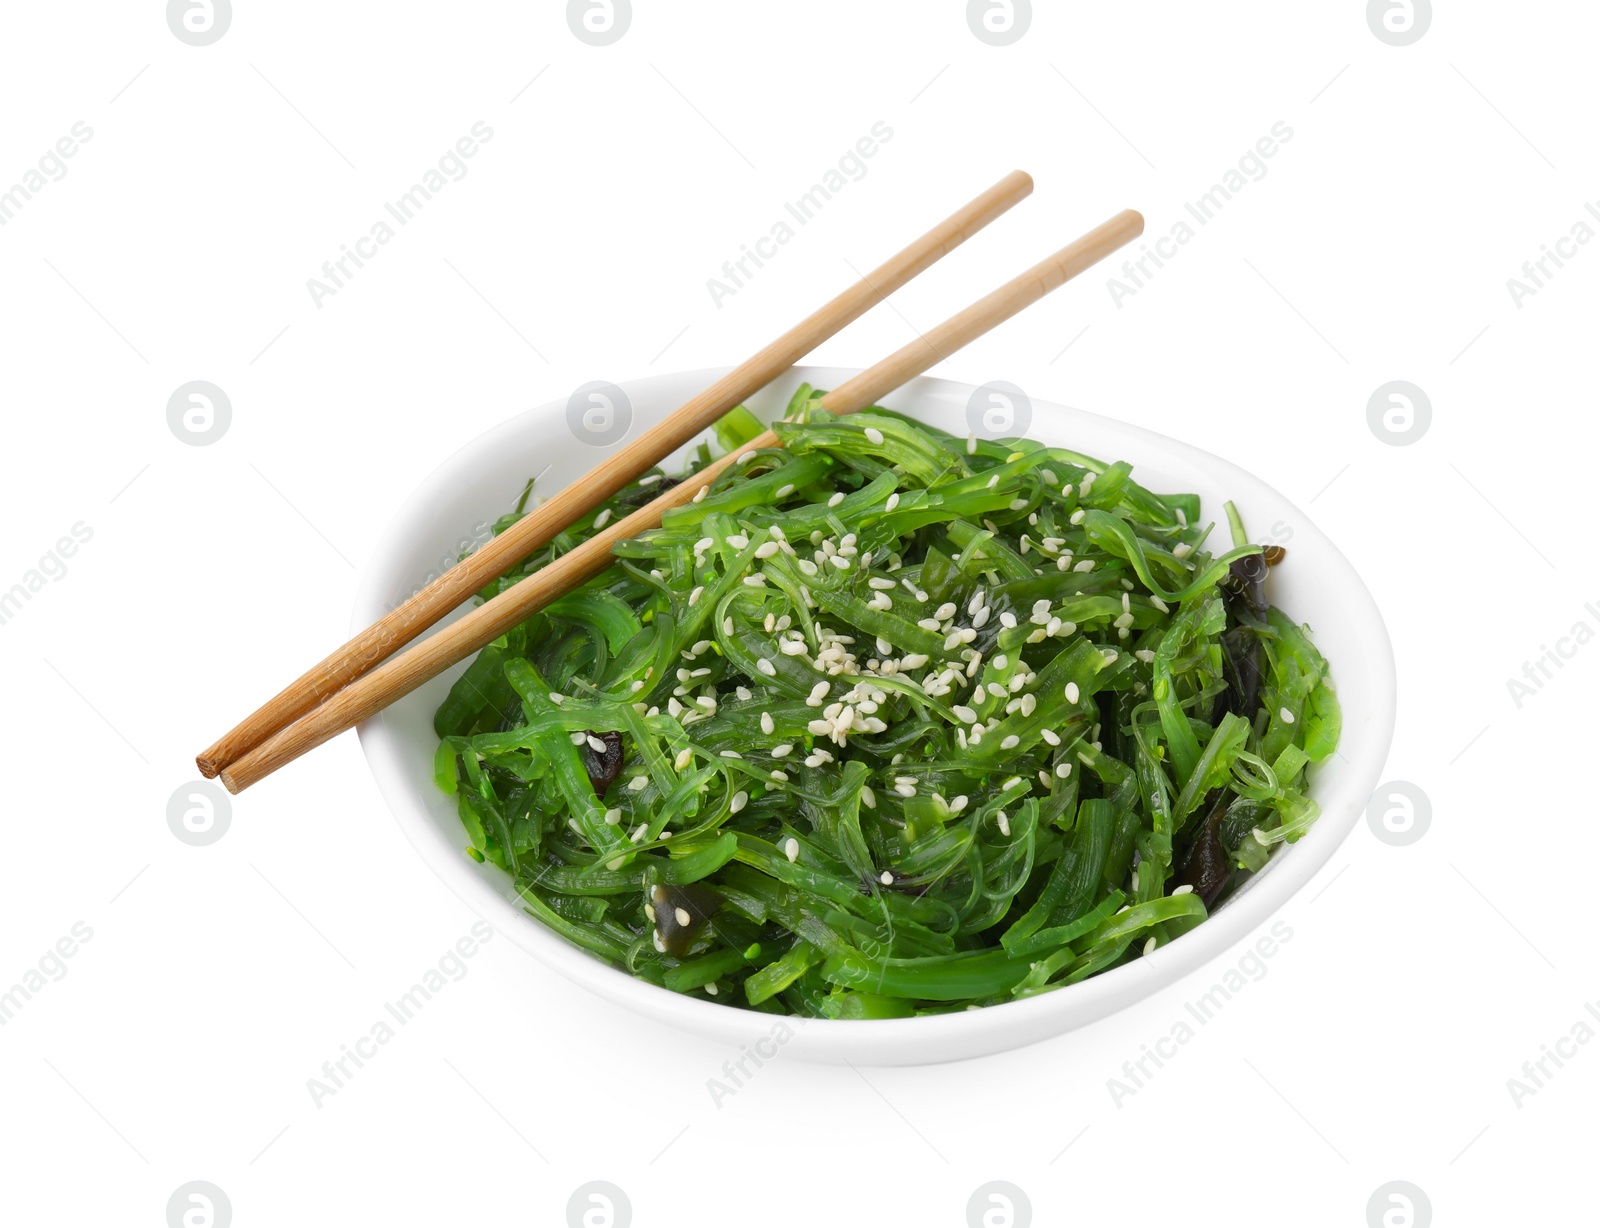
(1316,585)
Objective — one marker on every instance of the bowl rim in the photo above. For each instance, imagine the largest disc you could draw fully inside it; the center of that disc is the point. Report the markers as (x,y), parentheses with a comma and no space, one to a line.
(922,1039)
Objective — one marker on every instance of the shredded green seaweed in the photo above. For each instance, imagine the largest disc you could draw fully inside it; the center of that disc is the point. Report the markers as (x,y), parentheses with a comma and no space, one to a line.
(890,723)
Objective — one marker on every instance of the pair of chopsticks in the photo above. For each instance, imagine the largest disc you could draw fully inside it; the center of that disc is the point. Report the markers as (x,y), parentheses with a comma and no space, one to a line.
(357,681)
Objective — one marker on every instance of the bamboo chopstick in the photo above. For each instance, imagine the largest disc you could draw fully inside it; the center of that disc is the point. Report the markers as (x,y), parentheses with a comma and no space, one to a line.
(378,689)
(501,554)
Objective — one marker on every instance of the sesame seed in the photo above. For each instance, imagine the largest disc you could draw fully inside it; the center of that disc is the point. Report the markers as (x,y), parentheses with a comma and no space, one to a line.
(732,754)
(682,914)
(1149,945)
(684,757)
(784,491)
(1286,716)
(1182,551)
(738,541)
(766,550)
(600,520)
(839,561)
(1010,742)
(874,435)
(1072,692)
(972,445)
(886,878)
(836,498)
(791,849)
(613,817)
(807,567)
(766,667)
(964,714)
(1063,770)
(767,725)
(700,494)
(1183,890)
(1008,620)
(556,697)
(740,800)
(595,744)
(782,750)
(1050,736)
(892,502)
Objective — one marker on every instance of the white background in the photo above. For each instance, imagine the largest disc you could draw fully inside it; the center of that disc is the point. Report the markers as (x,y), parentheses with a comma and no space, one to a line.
(178,1044)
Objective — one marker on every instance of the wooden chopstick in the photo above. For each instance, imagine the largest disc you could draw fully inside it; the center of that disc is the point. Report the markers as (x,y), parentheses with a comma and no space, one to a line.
(379,688)
(502,553)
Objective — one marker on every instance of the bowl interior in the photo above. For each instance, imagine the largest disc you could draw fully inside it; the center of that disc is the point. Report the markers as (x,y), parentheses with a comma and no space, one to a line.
(454,507)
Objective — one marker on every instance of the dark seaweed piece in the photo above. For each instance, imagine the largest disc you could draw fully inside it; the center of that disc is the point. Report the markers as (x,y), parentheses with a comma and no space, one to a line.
(1244,593)
(1242,661)
(1245,585)
(1207,868)
(671,904)
(603,766)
